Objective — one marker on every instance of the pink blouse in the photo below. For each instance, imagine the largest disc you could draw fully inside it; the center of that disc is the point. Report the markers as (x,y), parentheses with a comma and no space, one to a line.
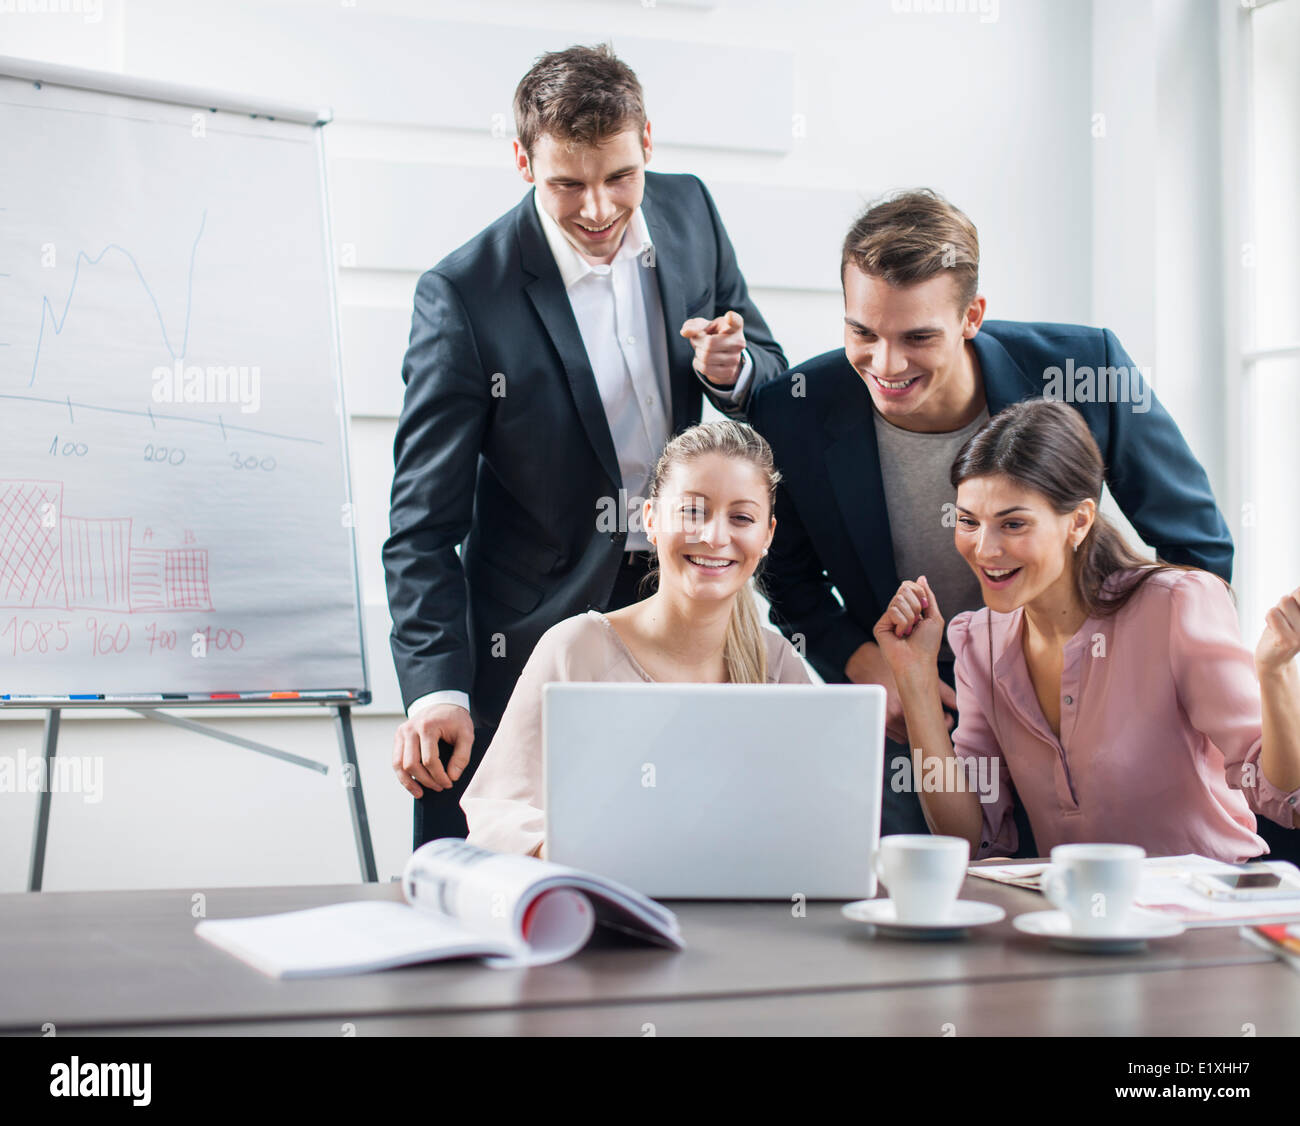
(1160,727)
(503,802)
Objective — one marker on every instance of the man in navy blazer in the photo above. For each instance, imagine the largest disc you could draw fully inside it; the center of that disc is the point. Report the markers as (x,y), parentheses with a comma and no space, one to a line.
(864,437)
(550,359)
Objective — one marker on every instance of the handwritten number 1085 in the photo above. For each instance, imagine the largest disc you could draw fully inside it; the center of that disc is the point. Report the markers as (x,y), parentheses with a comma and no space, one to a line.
(32,636)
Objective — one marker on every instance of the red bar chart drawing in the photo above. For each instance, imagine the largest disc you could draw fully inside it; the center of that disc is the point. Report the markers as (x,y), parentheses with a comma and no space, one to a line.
(95,563)
(31,572)
(52,560)
(169,579)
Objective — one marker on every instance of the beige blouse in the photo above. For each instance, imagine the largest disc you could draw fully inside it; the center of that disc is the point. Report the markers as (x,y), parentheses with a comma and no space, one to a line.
(503,802)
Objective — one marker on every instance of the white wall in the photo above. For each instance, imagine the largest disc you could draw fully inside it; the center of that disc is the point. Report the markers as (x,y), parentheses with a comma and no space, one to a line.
(1157,211)
(794,114)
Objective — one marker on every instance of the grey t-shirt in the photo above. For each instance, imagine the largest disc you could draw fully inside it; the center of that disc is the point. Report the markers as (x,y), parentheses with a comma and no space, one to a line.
(915,468)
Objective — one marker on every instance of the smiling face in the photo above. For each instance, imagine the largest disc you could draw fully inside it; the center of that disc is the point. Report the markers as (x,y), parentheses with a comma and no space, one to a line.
(1019,547)
(591,191)
(909,346)
(710,524)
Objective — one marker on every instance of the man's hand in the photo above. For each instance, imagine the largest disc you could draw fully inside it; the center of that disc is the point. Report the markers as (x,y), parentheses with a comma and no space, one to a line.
(718,344)
(415,748)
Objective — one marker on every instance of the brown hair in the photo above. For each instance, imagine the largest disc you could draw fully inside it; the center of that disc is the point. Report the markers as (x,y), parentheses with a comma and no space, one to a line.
(581,96)
(1046,446)
(912,237)
(744,652)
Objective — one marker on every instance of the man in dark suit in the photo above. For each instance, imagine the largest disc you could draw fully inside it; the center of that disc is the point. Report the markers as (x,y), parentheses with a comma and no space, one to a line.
(550,359)
(864,437)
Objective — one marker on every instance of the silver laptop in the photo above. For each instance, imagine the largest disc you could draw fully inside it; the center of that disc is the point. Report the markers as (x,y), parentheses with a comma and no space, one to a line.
(716,791)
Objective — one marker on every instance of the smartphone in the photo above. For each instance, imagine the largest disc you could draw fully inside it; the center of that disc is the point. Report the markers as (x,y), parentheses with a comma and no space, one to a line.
(1249,881)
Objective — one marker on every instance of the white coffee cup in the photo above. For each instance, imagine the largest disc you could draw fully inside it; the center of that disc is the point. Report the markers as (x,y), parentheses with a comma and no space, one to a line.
(1094,884)
(923,874)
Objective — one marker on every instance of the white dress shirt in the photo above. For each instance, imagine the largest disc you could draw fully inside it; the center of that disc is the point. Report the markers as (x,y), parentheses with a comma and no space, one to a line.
(620,317)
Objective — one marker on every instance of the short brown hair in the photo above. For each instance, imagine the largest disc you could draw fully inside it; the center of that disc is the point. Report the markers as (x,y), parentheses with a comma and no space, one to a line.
(912,237)
(581,95)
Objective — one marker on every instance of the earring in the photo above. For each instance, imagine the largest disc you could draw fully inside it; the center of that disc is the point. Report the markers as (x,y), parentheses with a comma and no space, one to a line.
(1076,549)
(764,551)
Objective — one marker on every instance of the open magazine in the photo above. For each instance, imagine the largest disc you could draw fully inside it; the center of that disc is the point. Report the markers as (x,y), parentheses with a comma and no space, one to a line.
(461,901)
(1168,889)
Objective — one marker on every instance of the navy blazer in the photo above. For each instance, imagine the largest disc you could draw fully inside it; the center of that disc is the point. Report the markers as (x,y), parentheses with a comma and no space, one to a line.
(832,522)
(503,457)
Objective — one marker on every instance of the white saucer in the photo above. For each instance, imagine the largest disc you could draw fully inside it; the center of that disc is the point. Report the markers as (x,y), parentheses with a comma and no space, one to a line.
(965,913)
(1138,928)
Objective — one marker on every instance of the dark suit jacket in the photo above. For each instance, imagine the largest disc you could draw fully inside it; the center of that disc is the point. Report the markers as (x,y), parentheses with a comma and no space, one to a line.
(832,523)
(503,449)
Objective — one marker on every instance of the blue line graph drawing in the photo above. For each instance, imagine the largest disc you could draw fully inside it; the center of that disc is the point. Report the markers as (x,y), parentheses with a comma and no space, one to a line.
(82,256)
(152,415)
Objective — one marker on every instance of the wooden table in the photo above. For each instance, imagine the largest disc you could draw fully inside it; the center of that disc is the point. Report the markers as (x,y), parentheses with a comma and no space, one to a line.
(126,962)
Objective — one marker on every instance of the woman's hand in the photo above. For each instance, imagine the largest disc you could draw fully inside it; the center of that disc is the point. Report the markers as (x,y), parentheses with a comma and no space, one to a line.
(910,630)
(1279,697)
(909,634)
(1280,641)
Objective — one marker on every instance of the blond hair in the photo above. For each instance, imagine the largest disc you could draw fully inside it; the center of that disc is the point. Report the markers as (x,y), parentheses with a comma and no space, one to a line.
(744,651)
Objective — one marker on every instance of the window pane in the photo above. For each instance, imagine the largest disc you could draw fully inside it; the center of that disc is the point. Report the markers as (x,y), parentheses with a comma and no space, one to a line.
(1275,44)
(1269,540)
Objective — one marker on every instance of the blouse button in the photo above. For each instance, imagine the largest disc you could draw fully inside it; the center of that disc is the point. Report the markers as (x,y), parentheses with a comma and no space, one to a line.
(1069,699)
(1290,801)
(985,844)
